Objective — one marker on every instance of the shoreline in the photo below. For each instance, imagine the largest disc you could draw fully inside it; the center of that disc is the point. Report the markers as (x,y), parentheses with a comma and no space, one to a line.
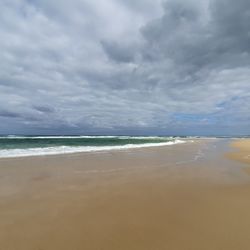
(72,150)
(62,150)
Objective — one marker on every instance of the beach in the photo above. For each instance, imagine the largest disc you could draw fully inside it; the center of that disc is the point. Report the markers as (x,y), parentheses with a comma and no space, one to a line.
(243,152)
(188,196)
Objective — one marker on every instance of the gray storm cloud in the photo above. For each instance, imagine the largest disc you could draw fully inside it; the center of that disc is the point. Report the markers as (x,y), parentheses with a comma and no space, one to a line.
(142,67)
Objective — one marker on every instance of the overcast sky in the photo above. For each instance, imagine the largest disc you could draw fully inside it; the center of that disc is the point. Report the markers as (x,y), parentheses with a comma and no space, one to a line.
(124,67)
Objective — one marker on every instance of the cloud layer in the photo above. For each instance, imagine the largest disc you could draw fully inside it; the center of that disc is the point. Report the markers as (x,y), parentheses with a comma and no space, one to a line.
(137,67)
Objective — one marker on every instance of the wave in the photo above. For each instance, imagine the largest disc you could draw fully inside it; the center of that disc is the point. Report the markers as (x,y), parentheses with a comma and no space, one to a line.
(10,153)
(84,136)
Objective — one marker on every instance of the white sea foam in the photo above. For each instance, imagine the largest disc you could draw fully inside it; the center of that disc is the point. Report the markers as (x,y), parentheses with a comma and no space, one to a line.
(9,153)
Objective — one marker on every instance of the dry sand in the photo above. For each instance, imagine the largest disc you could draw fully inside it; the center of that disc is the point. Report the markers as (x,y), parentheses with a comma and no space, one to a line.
(183,197)
(243,153)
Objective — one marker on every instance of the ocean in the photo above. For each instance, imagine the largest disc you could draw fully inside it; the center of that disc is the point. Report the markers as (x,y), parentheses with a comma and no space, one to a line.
(20,146)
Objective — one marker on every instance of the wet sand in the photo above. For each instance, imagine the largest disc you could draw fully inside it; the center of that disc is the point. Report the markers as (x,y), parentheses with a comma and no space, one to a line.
(186,197)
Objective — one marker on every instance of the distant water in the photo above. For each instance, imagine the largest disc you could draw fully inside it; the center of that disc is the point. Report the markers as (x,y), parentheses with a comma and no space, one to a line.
(16,146)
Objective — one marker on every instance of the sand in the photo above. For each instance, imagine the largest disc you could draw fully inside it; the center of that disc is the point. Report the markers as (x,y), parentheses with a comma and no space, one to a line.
(243,153)
(183,197)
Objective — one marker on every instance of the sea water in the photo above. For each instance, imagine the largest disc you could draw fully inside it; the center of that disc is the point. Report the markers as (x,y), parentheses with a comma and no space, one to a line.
(19,146)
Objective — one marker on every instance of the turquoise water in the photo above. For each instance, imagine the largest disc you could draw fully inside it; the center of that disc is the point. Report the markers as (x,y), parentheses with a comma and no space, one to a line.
(43,142)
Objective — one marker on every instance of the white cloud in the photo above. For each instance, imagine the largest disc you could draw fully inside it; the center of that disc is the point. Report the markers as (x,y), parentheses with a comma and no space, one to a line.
(124,66)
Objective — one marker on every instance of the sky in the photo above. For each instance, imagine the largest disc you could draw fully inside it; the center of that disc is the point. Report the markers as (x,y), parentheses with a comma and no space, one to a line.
(143,67)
